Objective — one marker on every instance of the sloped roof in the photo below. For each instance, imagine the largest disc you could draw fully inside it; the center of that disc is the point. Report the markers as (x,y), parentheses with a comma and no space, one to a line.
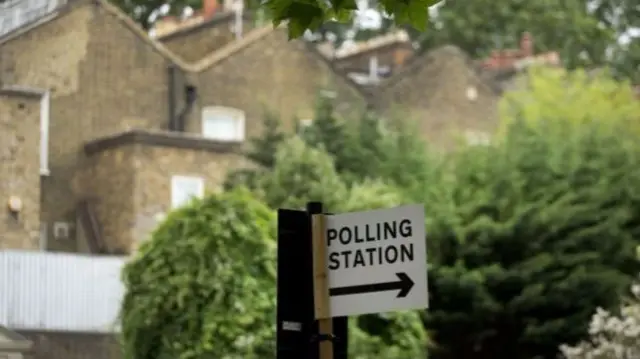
(196,23)
(256,35)
(207,62)
(377,42)
(110,9)
(429,57)
(231,48)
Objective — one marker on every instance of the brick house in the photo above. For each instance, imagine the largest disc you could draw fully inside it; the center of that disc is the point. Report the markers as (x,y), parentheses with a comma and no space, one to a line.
(124,112)
(444,93)
(74,56)
(286,76)
(505,67)
(449,95)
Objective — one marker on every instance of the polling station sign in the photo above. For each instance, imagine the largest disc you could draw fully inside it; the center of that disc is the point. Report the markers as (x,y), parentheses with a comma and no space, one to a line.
(377,261)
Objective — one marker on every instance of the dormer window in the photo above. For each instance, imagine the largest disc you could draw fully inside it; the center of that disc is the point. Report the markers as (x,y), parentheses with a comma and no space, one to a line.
(224,124)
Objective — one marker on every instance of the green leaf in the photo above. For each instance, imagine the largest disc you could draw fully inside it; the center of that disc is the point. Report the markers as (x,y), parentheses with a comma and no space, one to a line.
(418,14)
(339,5)
(302,15)
(296,28)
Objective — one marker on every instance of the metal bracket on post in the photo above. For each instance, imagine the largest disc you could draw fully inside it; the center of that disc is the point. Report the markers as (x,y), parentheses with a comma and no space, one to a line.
(324,337)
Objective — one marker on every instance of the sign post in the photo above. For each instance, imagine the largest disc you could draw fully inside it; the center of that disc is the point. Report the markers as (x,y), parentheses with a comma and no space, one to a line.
(297,330)
(377,261)
(334,266)
(322,311)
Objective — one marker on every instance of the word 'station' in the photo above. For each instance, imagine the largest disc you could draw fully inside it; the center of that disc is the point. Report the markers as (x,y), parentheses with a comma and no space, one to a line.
(398,231)
(377,261)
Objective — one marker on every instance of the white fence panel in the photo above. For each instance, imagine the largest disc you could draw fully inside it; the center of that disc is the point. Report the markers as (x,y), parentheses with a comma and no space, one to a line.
(60,292)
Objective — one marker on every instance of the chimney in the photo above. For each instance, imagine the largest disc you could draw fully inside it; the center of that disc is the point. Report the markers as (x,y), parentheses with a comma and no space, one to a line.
(526,45)
(209,7)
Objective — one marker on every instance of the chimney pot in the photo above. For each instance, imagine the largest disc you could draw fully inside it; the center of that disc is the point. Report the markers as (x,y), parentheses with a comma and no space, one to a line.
(209,8)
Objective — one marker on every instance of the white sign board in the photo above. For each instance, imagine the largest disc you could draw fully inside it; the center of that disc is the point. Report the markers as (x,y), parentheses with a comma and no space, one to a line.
(377,261)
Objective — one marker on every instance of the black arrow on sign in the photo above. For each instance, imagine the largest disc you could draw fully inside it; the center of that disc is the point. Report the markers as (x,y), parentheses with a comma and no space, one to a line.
(404,285)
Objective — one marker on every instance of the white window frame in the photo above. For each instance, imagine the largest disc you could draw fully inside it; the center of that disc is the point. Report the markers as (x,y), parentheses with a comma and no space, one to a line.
(176,181)
(228,112)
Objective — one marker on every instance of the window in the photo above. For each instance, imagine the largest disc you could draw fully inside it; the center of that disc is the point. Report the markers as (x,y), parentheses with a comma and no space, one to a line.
(223,124)
(184,188)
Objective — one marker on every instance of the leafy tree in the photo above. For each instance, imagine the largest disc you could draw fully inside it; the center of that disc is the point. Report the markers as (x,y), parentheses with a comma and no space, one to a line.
(576,97)
(204,285)
(521,228)
(371,194)
(302,174)
(262,151)
(533,233)
(586,33)
(370,147)
(332,134)
(302,15)
(397,335)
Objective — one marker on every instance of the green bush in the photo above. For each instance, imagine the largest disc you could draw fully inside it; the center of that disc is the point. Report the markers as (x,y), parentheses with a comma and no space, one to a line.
(532,234)
(204,285)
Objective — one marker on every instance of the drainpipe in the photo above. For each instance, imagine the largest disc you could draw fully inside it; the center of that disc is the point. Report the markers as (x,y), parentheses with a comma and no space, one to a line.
(171,100)
(190,96)
(45,102)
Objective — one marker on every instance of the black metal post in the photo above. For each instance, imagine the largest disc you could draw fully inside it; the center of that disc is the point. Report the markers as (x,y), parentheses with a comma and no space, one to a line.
(297,329)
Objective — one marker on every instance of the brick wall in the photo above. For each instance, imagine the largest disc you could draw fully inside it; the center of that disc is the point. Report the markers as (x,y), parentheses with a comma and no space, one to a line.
(19,169)
(57,345)
(103,79)
(193,43)
(131,175)
(273,73)
(443,94)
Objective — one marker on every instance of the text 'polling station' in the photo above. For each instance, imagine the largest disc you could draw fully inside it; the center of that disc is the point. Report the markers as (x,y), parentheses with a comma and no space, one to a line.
(383,252)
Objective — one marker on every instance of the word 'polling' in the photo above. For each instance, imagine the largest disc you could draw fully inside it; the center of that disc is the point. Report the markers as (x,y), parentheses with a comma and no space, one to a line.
(384,253)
